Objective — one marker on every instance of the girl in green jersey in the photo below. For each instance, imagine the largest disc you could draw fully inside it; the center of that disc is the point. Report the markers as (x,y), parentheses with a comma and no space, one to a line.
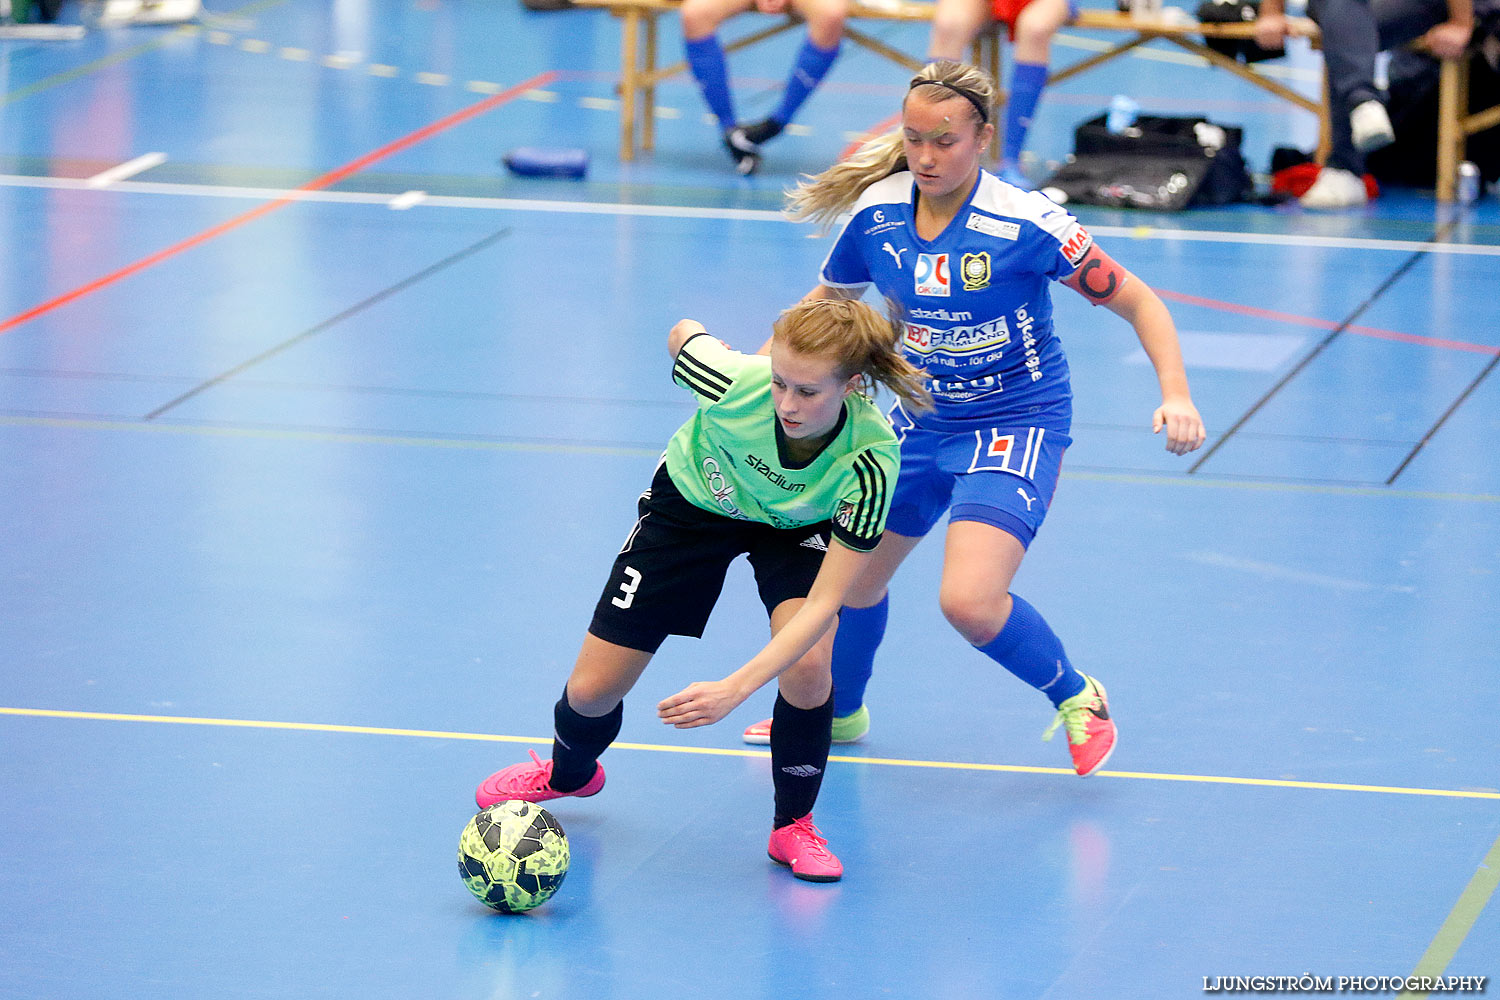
(786,461)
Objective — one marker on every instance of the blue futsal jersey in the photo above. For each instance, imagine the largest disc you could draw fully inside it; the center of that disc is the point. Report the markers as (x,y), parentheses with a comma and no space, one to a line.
(976,300)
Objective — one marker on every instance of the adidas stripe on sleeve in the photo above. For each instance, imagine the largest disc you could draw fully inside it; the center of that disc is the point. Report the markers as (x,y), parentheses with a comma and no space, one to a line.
(707,367)
(859,519)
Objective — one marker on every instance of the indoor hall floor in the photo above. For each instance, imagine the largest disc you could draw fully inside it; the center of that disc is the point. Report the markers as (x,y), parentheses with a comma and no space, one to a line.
(308,486)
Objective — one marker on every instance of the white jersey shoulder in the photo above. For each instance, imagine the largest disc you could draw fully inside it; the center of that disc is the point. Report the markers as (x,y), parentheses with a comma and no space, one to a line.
(893,190)
(1008,202)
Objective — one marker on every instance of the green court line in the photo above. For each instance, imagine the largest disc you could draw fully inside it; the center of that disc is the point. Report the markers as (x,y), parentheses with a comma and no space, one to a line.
(1471,902)
(125,55)
(323,727)
(631,451)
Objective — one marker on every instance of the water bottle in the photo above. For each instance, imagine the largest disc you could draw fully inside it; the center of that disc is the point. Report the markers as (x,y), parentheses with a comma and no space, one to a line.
(1122,112)
(1468,183)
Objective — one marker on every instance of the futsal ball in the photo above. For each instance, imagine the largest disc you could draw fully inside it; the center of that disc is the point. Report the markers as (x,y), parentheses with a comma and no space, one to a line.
(513,856)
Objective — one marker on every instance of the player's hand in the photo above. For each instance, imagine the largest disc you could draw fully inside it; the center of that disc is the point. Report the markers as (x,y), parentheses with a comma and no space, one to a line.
(699,704)
(1271,31)
(1185,431)
(771,6)
(1448,40)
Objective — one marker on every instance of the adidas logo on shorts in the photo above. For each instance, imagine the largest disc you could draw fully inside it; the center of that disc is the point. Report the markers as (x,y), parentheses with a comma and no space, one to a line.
(814,542)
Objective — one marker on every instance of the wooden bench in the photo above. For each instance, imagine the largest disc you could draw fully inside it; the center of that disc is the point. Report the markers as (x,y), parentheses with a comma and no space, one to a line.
(1455,124)
(639,73)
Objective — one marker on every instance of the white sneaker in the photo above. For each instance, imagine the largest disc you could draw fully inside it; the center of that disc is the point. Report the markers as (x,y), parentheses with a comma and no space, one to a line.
(1335,188)
(1372,127)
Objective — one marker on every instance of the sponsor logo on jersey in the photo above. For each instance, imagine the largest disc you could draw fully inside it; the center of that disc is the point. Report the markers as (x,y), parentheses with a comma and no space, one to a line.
(975,270)
(1077,245)
(895,254)
(932,274)
(882,223)
(943,314)
(721,488)
(924,340)
(843,514)
(772,475)
(993,227)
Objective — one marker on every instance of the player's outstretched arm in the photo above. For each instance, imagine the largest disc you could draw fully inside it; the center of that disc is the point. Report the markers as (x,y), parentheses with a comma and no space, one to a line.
(705,702)
(1144,310)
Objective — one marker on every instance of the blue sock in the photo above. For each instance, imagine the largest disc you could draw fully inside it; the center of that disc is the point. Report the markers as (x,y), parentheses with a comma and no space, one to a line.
(812,65)
(1028,648)
(859,635)
(1026,84)
(706,57)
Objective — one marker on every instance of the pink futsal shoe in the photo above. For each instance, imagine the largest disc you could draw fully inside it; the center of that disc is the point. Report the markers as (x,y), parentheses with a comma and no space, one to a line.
(1091,732)
(804,850)
(531,783)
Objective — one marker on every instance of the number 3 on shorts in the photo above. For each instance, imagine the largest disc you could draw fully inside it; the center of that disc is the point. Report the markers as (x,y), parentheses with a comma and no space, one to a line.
(628,588)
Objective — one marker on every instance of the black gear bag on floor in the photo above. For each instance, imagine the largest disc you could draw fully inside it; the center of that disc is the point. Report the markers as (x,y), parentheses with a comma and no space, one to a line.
(1160,163)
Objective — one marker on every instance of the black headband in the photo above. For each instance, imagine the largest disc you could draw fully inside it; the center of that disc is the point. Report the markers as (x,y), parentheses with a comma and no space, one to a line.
(968,95)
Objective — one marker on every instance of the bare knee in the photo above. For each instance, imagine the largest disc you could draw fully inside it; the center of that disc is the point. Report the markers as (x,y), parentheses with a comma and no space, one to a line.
(825,22)
(978,617)
(808,683)
(699,20)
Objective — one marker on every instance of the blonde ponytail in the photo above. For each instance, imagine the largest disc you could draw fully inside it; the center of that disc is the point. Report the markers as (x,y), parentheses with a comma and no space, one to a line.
(824,197)
(859,339)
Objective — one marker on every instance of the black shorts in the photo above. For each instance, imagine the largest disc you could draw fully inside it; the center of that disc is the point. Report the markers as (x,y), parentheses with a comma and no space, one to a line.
(669,574)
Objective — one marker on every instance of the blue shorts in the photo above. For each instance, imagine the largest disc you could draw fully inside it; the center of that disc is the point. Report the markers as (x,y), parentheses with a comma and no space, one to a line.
(1002,476)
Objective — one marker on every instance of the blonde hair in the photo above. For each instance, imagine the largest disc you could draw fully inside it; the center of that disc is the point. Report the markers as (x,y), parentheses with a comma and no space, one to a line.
(859,339)
(824,197)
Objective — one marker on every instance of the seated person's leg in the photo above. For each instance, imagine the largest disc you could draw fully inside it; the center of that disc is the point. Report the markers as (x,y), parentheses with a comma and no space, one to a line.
(700,22)
(955,25)
(825,29)
(1035,25)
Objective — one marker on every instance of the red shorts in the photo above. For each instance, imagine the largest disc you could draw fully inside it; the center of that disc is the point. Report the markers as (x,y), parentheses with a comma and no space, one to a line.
(1006,12)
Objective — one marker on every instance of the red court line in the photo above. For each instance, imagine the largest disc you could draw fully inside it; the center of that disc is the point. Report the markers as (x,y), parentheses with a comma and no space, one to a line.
(1324,324)
(880,128)
(317,184)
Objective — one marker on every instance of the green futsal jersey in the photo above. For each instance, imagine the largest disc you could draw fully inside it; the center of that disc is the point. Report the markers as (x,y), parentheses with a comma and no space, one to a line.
(731,459)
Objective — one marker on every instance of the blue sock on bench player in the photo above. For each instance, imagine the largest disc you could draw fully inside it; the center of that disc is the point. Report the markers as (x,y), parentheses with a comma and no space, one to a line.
(1026,85)
(812,65)
(706,59)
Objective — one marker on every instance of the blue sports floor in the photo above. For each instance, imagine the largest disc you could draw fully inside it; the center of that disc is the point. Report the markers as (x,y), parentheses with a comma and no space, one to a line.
(308,484)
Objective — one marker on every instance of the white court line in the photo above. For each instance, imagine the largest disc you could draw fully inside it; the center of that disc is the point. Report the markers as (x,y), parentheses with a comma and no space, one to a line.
(730,214)
(402,202)
(127,169)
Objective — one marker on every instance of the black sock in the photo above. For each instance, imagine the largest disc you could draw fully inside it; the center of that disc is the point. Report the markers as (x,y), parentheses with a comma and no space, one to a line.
(800,738)
(577,742)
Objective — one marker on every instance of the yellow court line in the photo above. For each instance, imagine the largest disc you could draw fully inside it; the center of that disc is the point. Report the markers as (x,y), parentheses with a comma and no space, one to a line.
(324,727)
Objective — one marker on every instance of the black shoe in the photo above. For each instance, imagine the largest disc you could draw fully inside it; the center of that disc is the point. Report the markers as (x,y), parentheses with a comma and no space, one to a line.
(746,154)
(762,131)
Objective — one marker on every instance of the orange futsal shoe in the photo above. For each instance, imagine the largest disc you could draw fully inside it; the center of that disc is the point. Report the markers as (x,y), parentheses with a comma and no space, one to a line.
(1091,732)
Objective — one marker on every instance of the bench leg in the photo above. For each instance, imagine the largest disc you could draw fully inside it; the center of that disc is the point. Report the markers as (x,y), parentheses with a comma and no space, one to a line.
(648,106)
(630,55)
(1453,105)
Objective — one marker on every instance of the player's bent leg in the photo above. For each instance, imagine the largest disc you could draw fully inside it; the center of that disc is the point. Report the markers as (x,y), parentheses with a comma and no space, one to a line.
(586,720)
(980,562)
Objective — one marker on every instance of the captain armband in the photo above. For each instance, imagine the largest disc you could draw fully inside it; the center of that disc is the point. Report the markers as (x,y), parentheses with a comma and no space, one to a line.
(1098,277)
